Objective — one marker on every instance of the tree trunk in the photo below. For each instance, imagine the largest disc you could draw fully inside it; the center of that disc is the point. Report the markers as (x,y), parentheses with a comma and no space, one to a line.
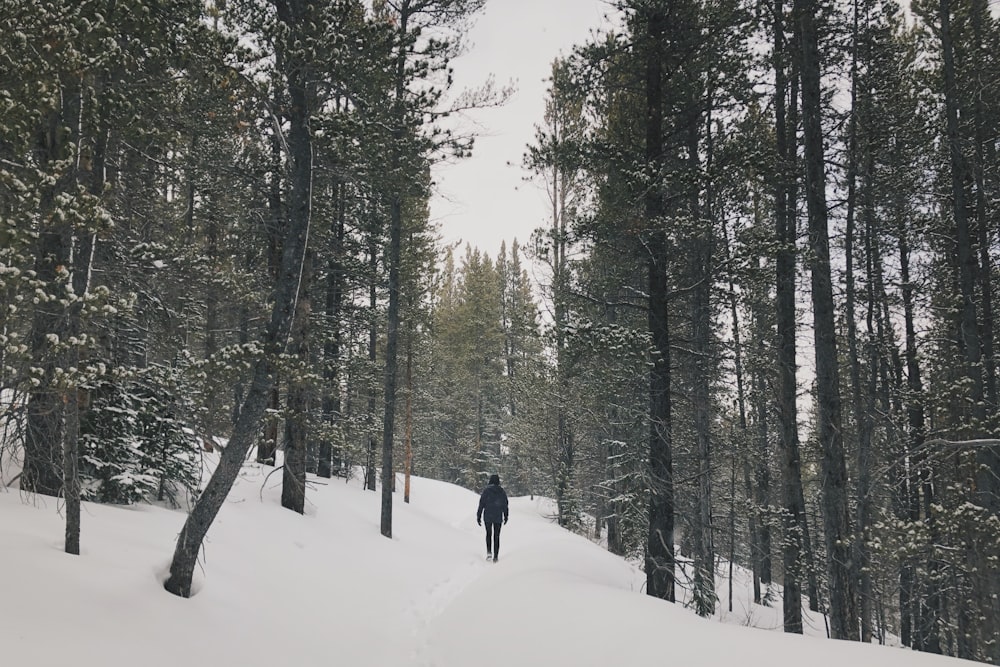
(970,346)
(862,416)
(71,472)
(744,437)
(408,462)
(761,493)
(793,501)
(836,520)
(759,490)
(267,448)
(286,292)
(212,326)
(925,635)
(42,471)
(372,357)
(660,541)
(980,13)
(615,538)
(293,472)
(330,453)
(95,172)
(391,362)
(701,320)
(865,503)
(240,387)
(969,342)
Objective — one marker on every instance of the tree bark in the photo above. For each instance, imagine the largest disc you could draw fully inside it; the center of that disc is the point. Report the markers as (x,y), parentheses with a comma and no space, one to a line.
(865,503)
(980,14)
(744,438)
(660,540)
(285,298)
(95,172)
(372,357)
(391,362)
(329,453)
(71,471)
(969,342)
(408,461)
(701,319)
(59,135)
(267,448)
(862,416)
(836,519)
(293,472)
(793,501)
(970,346)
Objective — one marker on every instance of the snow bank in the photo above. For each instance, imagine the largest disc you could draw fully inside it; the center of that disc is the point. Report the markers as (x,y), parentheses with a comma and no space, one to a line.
(281,589)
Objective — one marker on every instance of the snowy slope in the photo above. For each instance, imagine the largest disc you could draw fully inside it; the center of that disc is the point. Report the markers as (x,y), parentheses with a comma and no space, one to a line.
(327,589)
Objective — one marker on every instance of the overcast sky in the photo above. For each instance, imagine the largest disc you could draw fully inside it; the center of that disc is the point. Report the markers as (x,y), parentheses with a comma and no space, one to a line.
(484,200)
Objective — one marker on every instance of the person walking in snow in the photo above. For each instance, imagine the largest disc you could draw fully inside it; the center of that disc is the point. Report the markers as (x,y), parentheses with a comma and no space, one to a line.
(493,508)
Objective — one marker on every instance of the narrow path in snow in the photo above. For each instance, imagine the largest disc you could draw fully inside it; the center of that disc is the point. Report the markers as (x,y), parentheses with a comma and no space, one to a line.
(439,596)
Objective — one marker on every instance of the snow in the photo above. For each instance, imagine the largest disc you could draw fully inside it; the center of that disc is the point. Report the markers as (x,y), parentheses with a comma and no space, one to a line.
(326,588)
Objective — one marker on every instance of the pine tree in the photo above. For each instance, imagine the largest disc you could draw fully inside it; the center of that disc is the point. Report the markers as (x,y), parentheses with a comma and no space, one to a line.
(554,160)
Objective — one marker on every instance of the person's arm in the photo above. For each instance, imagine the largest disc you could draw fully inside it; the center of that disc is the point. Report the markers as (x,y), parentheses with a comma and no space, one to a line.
(506,506)
(479,512)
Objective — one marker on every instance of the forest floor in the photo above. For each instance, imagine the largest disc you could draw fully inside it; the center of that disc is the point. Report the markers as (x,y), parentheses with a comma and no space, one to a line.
(276,588)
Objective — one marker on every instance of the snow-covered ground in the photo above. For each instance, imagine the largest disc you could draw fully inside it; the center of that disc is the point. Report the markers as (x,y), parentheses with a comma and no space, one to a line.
(327,589)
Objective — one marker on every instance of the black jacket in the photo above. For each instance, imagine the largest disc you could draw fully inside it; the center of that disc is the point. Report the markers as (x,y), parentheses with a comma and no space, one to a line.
(493,504)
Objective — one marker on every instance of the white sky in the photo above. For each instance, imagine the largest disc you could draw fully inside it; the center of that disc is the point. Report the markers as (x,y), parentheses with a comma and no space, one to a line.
(484,200)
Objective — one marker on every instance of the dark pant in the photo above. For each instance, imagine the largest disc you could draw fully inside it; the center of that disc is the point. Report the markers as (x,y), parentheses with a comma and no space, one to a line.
(493,533)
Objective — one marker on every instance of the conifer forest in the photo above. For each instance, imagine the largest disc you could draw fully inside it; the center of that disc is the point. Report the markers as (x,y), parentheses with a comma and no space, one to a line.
(754,326)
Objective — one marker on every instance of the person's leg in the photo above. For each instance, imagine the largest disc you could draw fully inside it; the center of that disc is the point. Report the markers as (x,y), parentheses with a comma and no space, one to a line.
(496,539)
(489,538)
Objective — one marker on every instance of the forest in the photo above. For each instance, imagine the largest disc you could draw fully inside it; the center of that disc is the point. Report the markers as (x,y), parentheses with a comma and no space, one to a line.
(755,327)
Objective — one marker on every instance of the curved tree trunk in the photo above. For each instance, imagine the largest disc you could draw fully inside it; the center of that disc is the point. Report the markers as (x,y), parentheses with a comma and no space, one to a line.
(285,298)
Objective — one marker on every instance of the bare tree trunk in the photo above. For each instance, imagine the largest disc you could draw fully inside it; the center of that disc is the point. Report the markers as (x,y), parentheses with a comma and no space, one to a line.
(970,346)
(743,439)
(702,254)
(408,463)
(862,415)
(793,502)
(42,470)
(372,357)
(391,361)
(71,472)
(979,13)
(969,341)
(267,448)
(94,169)
(836,519)
(211,324)
(925,634)
(615,538)
(329,453)
(286,292)
(660,540)
(866,463)
(293,471)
